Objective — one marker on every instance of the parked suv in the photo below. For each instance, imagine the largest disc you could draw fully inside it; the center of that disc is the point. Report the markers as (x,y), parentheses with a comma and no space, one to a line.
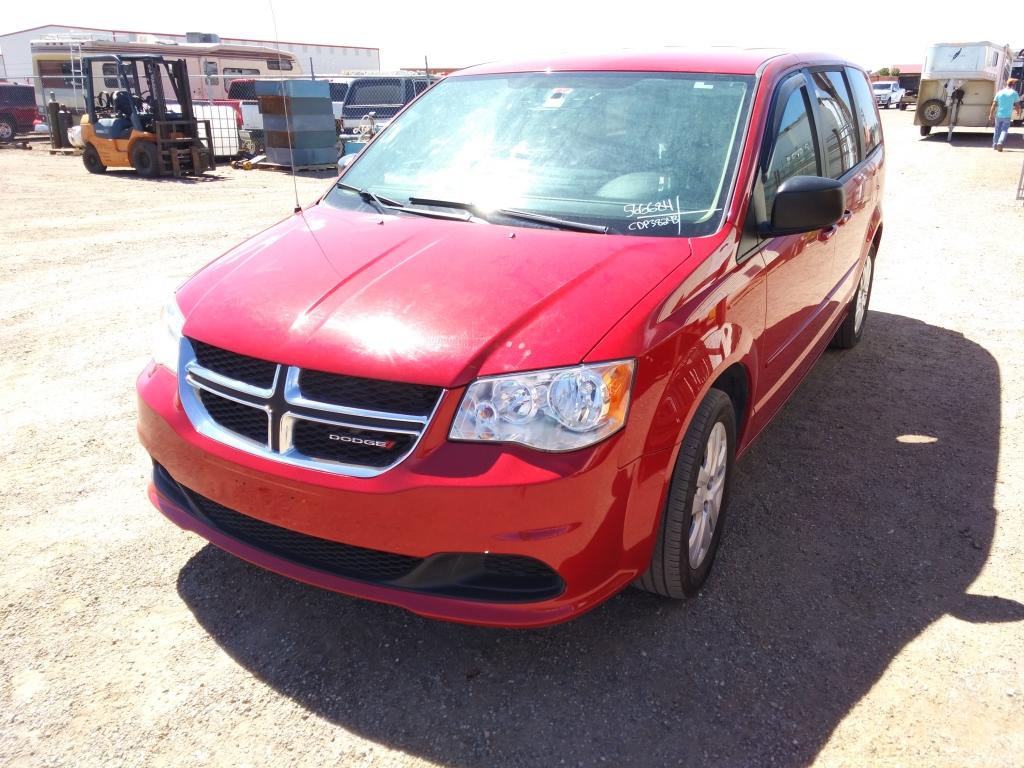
(18,111)
(504,369)
(889,93)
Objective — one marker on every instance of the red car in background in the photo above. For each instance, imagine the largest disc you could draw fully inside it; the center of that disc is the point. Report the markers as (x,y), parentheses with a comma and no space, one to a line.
(504,367)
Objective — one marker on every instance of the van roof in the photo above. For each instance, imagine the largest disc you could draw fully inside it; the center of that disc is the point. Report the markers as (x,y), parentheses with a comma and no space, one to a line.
(736,61)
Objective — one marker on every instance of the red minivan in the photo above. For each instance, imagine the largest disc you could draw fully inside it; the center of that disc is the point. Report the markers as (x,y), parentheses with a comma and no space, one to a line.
(504,367)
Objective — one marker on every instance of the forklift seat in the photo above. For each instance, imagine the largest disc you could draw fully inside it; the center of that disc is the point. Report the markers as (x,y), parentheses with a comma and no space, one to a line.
(113,127)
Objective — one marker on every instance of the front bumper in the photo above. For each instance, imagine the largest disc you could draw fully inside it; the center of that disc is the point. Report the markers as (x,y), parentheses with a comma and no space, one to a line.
(585,515)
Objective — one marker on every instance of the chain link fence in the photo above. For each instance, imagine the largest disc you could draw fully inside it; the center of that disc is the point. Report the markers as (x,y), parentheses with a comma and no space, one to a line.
(362,105)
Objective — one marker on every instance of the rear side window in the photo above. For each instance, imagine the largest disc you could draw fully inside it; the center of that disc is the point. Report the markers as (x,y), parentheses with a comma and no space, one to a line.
(867,115)
(377,92)
(338,91)
(793,151)
(242,89)
(17,96)
(837,126)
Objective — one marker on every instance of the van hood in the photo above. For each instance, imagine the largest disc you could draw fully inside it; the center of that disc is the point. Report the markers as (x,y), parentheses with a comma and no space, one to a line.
(406,298)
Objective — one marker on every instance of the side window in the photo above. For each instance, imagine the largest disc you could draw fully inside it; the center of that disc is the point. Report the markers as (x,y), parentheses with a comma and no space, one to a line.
(110,75)
(210,72)
(837,127)
(835,77)
(867,115)
(793,150)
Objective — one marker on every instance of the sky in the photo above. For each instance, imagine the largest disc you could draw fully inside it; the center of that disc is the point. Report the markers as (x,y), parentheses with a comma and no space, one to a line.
(457,33)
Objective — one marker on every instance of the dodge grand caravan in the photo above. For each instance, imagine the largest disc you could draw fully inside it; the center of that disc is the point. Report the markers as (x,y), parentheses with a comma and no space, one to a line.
(503,368)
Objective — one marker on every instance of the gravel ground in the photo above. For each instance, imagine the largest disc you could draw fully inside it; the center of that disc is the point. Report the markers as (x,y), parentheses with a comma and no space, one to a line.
(866,607)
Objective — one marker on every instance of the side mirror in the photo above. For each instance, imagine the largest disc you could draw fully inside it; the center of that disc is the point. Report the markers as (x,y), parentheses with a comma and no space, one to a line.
(804,204)
(345,161)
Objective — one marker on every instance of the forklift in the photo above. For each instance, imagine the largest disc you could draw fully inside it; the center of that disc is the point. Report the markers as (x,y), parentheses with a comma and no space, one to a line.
(131,126)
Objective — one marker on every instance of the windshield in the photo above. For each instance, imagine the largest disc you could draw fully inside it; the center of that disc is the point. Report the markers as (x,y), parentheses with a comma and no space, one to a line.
(641,153)
(883,86)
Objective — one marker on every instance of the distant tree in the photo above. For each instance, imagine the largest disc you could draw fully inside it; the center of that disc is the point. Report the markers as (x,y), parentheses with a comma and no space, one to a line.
(884,72)
(894,71)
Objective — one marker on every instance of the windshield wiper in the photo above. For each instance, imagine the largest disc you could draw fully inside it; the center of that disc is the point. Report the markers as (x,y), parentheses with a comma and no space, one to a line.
(379,203)
(383,204)
(512,213)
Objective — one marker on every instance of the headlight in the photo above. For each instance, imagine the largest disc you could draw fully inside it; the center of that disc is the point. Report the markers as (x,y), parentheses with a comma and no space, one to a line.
(561,409)
(167,336)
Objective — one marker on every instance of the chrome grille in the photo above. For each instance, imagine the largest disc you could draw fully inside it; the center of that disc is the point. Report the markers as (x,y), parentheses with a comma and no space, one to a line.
(330,422)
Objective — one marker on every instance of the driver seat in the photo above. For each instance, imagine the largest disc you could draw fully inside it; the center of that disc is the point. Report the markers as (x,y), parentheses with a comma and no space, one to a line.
(121,127)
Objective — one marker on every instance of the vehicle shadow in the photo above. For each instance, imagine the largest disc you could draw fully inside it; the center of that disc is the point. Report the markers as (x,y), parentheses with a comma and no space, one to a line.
(978,139)
(861,516)
(129,173)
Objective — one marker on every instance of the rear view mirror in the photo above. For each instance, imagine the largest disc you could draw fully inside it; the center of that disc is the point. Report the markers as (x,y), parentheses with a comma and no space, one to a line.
(804,204)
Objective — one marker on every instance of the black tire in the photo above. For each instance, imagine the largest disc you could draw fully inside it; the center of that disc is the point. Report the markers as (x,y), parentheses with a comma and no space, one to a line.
(144,159)
(8,128)
(669,573)
(925,130)
(903,107)
(848,335)
(932,112)
(91,160)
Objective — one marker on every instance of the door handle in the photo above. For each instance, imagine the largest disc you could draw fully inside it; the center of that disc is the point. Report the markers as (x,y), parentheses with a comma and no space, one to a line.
(826,234)
(847,215)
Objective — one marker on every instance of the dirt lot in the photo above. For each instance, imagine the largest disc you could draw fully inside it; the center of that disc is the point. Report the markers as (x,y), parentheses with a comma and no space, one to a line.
(866,607)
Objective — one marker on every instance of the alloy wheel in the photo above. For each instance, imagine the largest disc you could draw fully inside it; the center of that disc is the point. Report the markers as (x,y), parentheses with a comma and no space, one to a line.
(863,289)
(707,497)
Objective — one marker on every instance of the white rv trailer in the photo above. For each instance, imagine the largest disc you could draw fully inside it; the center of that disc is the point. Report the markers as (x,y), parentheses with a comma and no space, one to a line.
(958,82)
(57,65)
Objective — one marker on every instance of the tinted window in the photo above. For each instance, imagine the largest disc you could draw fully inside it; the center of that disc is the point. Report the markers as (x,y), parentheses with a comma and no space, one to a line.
(837,127)
(338,91)
(867,115)
(793,152)
(17,96)
(377,92)
(242,89)
(279,64)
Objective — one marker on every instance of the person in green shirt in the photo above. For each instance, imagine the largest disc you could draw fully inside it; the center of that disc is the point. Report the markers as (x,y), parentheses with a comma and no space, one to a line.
(1002,110)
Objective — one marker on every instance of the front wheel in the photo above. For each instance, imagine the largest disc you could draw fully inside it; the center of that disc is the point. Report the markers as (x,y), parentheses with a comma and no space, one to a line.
(850,332)
(691,522)
(144,159)
(91,160)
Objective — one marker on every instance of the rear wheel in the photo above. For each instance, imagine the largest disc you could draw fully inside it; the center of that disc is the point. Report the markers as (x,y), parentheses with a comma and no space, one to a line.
(691,523)
(925,130)
(852,329)
(91,160)
(7,129)
(144,159)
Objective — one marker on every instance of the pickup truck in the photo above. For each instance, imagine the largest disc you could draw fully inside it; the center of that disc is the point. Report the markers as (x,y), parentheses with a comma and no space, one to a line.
(888,93)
